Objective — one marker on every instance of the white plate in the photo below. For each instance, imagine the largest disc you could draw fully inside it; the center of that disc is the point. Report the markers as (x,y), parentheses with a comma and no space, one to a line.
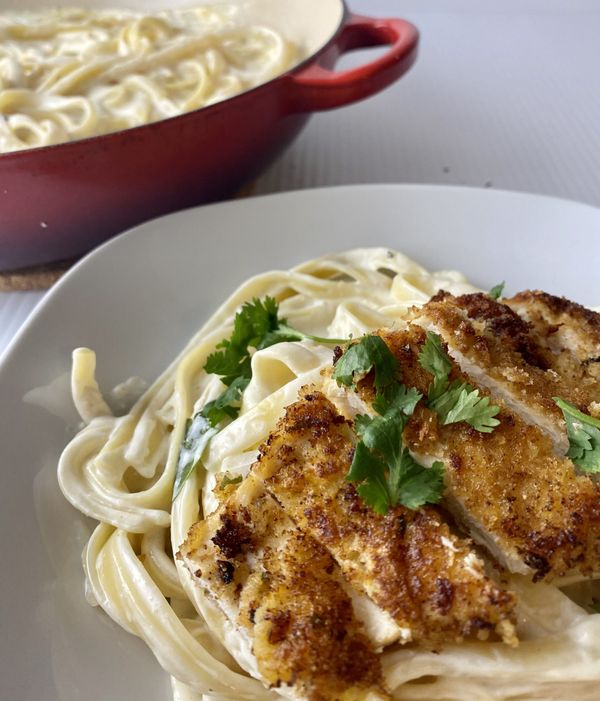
(137,299)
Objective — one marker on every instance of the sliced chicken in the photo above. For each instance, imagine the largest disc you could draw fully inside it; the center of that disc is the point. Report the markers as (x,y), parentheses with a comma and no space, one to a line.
(408,562)
(568,332)
(281,592)
(517,360)
(509,488)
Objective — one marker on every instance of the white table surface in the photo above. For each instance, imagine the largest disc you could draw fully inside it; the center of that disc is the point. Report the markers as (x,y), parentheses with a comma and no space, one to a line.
(504,94)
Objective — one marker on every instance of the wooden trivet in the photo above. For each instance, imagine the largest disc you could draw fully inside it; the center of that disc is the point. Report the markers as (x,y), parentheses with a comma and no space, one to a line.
(36,277)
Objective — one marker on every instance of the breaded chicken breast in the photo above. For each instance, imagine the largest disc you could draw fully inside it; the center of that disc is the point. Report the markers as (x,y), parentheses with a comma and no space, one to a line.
(408,562)
(509,488)
(281,592)
(568,332)
(524,364)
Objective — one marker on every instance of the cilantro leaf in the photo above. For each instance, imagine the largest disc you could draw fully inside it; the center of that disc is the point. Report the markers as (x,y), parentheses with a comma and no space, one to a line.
(226,405)
(434,359)
(198,432)
(421,485)
(254,321)
(257,325)
(364,465)
(362,423)
(284,332)
(583,432)
(383,436)
(386,473)
(398,398)
(454,401)
(460,402)
(370,472)
(497,290)
(370,353)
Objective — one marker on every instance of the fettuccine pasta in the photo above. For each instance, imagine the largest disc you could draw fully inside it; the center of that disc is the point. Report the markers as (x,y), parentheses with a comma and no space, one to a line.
(73,73)
(120,471)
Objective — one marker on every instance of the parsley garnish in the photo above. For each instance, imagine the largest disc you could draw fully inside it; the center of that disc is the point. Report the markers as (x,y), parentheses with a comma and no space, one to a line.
(454,401)
(256,326)
(583,432)
(370,353)
(398,398)
(496,291)
(198,432)
(385,472)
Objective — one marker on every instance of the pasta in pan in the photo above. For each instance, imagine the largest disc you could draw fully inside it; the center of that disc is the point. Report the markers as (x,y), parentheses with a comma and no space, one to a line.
(72,73)
(121,470)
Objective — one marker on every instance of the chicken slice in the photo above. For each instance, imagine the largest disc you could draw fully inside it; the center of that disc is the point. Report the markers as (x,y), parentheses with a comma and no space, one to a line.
(492,344)
(568,332)
(516,360)
(508,487)
(408,562)
(280,591)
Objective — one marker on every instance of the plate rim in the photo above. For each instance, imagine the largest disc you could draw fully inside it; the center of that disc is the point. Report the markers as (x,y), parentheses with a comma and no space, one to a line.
(138,230)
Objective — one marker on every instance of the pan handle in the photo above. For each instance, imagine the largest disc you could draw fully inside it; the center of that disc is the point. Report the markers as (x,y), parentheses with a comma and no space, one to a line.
(318,88)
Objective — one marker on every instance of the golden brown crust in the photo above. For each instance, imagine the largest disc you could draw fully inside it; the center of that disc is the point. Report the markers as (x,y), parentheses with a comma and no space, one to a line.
(510,482)
(568,332)
(305,629)
(560,310)
(498,344)
(279,586)
(407,562)
(535,346)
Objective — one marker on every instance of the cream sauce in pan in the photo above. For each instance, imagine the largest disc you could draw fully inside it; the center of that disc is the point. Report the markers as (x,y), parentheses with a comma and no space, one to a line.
(73,73)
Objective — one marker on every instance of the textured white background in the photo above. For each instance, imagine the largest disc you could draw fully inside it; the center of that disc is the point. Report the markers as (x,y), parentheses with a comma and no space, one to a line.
(504,94)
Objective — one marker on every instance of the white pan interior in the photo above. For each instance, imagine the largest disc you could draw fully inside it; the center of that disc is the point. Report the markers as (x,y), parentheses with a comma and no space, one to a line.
(309,23)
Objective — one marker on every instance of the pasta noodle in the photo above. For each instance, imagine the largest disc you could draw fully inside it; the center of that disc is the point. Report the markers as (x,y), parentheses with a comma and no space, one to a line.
(73,73)
(120,471)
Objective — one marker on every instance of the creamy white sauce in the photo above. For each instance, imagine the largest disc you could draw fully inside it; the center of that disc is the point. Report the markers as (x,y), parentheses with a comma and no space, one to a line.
(68,74)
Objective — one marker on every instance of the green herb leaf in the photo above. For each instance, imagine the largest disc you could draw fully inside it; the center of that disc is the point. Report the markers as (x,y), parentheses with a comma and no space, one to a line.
(370,353)
(374,494)
(382,468)
(595,605)
(227,480)
(383,437)
(386,472)
(435,360)
(226,405)
(198,433)
(254,321)
(460,402)
(496,291)
(256,326)
(421,485)
(456,401)
(397,397)
(362,423)
(583,432)
(288,333)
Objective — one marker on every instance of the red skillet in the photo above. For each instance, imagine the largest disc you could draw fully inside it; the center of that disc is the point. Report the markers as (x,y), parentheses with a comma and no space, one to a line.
(60,201)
